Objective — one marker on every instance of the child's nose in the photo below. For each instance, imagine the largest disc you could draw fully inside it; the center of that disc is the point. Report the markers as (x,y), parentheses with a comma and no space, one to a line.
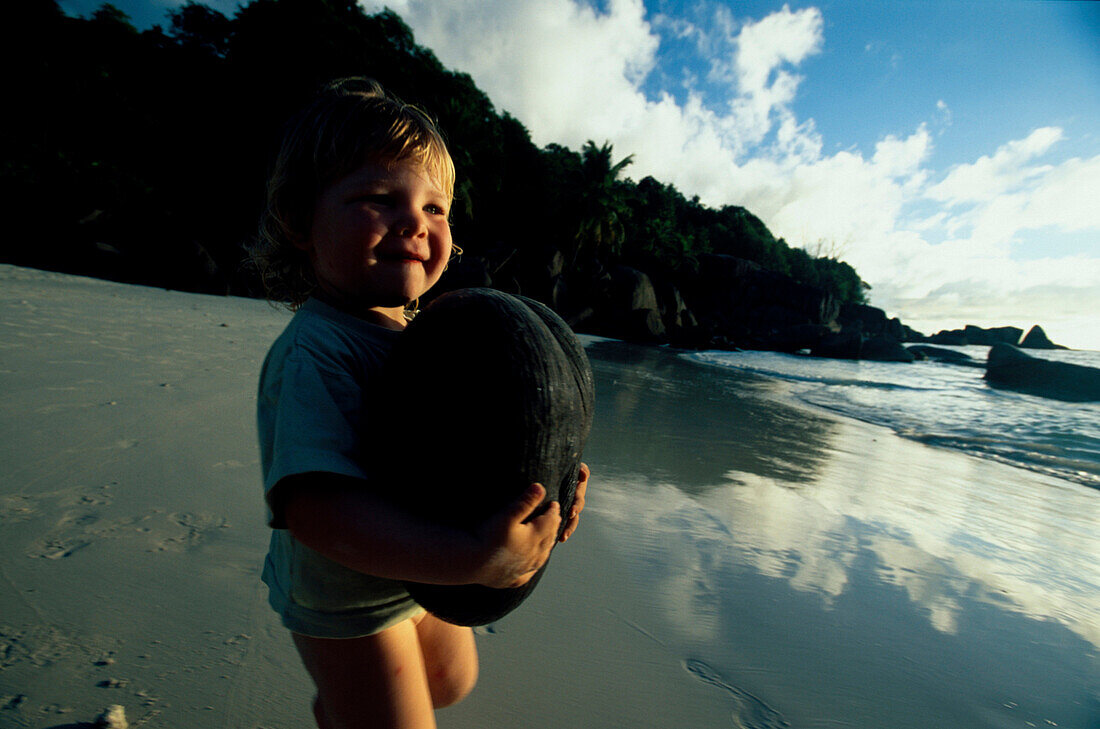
(412,223)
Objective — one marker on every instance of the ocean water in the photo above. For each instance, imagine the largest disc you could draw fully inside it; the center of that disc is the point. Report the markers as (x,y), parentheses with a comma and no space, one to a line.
(944,404)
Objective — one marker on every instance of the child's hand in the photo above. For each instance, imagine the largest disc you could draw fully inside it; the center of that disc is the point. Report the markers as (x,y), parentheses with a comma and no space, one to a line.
(578,503)
(516,549)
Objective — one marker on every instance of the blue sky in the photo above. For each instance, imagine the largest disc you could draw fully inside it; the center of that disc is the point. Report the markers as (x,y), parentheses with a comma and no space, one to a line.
(1003,68)
(949,150)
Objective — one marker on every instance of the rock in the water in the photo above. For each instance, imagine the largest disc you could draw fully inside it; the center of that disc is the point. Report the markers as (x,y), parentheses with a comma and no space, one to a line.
(1036,338)
(860,318)
(884,348)
(944,355)
(1009,368)
(798,337)
(896,330)
(912,335)
(954,337)
(484,393)
(842,345)
(993,335)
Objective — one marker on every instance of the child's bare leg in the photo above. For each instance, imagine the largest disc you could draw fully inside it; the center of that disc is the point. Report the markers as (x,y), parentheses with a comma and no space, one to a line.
(450,659)
(374,681)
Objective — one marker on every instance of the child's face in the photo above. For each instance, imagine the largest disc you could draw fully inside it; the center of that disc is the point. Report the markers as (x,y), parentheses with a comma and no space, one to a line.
(379,239)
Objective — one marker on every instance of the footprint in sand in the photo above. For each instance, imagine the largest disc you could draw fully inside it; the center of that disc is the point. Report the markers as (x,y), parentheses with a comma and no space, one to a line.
(90,496)
(749,712)
(39,645)
(79,528)
(67,537)
(16,507)
(57,548)
(194,527)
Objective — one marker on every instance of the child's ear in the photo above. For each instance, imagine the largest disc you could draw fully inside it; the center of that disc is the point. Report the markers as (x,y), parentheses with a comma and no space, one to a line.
(301,242)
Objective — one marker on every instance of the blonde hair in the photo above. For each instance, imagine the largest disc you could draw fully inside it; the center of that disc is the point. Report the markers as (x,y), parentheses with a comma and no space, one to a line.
(351,121)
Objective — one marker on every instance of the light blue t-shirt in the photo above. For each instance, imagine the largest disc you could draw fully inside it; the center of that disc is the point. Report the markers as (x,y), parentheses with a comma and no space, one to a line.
(311,414)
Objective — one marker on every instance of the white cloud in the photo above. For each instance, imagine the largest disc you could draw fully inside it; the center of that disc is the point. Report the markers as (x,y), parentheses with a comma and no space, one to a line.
(1067,312)
(1005,171)
(750,60)
(945,113)
(782,37)
(975,276)
(1066,197)
(571,73)
(563,69)
(902,157)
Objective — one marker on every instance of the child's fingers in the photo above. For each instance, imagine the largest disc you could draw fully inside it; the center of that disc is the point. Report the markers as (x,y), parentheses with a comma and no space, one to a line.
(543,530)
(522,507)
(546,524)
(578,503)
(551,518)
(579,500)
(571,525)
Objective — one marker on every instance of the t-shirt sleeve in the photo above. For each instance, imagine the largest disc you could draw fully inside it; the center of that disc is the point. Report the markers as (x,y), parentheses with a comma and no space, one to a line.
(314,420)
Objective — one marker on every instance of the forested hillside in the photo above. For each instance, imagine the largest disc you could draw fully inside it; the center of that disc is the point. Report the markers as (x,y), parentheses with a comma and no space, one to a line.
(141,156)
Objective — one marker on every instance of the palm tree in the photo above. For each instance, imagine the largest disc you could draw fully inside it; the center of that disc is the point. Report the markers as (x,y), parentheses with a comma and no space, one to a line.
(603,209)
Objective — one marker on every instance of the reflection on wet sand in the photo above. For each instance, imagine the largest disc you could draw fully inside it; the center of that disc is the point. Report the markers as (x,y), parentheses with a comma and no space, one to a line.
(831,565)
(663,415)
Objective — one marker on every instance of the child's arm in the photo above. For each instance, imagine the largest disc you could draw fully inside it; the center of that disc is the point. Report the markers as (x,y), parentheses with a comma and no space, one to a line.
(336,516)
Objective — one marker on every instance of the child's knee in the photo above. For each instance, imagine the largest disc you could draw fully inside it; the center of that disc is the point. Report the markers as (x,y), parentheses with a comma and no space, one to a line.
(450,660)
(451,683)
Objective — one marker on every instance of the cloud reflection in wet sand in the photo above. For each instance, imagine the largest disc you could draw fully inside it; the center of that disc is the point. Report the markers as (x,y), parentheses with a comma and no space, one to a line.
(999,561)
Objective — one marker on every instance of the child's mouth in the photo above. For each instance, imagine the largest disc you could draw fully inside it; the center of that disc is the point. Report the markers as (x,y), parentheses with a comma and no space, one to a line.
(401,258)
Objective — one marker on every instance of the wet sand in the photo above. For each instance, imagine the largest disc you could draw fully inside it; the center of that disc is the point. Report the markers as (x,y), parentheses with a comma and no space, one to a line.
(743,562)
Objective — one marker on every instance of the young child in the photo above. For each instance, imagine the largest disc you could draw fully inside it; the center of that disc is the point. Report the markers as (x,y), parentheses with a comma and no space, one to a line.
(356,229)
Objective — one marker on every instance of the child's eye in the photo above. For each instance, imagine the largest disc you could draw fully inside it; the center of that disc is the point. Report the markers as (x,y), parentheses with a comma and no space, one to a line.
(374,198)
(435,209)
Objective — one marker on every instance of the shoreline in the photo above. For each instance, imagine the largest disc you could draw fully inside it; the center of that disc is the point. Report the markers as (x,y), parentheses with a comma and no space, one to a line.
(913,404)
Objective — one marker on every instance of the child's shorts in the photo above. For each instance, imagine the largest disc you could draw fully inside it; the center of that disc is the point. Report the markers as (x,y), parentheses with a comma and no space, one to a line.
(317,597)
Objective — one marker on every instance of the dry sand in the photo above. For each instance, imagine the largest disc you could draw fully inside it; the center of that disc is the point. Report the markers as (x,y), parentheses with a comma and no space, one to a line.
(742,563)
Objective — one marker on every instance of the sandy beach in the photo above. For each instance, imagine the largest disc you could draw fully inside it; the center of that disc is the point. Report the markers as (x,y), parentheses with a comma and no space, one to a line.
(743,562)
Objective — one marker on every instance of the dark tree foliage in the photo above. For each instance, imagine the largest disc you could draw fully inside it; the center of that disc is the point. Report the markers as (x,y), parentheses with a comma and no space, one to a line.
(141,156)
(202,30)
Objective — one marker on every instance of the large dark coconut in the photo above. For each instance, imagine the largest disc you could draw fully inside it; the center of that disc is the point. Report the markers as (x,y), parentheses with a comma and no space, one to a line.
(484,394)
